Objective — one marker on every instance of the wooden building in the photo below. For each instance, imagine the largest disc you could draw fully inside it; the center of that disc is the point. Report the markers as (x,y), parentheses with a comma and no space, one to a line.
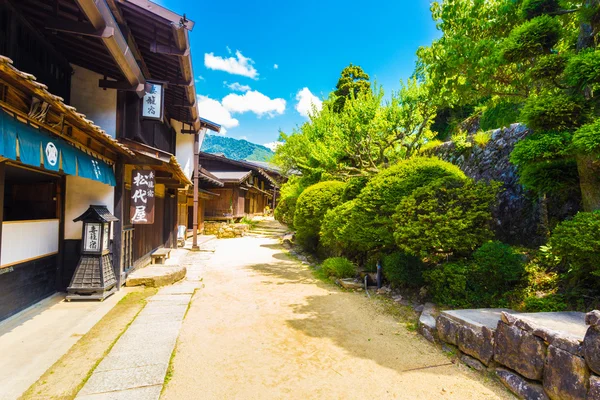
(64,63)
(248,188)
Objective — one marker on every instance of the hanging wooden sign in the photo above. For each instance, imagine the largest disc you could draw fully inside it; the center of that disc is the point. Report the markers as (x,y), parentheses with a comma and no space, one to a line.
(153,105)
(142,197)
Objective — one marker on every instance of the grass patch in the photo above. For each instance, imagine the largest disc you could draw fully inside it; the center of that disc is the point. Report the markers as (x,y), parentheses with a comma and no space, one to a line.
(68,375)
(170,369)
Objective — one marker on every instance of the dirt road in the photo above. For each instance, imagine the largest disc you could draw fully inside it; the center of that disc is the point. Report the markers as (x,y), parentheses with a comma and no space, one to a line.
(264,328)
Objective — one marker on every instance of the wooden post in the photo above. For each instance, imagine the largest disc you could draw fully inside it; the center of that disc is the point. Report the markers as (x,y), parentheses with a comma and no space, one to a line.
(61,196)
(118,226)
(195,213)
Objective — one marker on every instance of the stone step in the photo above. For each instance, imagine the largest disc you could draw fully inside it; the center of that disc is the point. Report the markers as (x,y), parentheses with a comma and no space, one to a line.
(156,275)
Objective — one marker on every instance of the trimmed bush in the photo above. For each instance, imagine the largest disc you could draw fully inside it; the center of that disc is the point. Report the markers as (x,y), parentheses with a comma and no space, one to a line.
(557,177)
(549,68)
(549,303)
(586,139)
(497,268)
(534,8)
(541,147)
(339,267)
(334,227)
(583,70)
(500,115)
(532,38)
(370,225)
(448,284)
(553,112)
(353,187)
(311,207)
(403,270)
(284,212)
(577,243)
(447,217)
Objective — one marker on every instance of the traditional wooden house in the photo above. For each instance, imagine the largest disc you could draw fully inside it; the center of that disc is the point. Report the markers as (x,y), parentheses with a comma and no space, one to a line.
(126,65)
(248,188)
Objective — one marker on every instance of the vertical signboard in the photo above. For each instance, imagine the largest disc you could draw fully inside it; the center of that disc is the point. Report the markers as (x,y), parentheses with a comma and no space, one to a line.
(142,197)
(152,106)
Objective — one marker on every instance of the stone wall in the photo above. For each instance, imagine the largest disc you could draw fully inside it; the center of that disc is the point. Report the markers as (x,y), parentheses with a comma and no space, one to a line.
(223,230)
(517,213)
(535,355)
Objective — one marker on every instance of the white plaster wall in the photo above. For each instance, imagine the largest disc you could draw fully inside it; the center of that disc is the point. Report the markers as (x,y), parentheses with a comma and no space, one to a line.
(25,240)
(184,150)
(81,193)
(97,104)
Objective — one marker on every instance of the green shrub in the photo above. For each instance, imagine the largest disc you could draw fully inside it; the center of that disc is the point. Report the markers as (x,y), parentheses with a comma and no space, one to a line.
(534,8)
(541,146)
(403,270)
(448,284)
(482,138)
(460,140)
(353,187)
(532,38)
(586,139)
(556,177)
(447,217)
(334,227)
(583,70)
(311,207)
(497,268)
(339,267)
(577,243)
(549,303)
(549,68)
(284,212)
(500,115)
(370,225)
(553,112)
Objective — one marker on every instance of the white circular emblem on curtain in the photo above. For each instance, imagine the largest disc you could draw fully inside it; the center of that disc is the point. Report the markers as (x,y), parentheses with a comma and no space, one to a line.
(51,153)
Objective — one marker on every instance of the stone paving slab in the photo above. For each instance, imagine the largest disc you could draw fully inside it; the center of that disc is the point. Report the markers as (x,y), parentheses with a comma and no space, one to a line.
(477,318)
(137,364)
(566,323)
(156,275)
(122,379)
(143,393)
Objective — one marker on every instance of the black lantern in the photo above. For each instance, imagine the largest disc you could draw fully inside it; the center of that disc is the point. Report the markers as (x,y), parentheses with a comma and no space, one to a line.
(94,277)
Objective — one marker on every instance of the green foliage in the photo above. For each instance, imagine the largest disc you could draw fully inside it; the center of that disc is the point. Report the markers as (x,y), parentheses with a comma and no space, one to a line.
(288,197)
(334,229)
(403,270)
(236,149)
(549,67)
(532,38)
(370,226)
(311,207)
(553,112)
(353,187)
(549,303)
(339,267)
(583,70)
(558,177)
(497,268)
(482,138)
(534,8)
(539,147)
(447,217)
(448,283)
(500,115)
(352,82)
(577,243)
(461,141)
(586,139)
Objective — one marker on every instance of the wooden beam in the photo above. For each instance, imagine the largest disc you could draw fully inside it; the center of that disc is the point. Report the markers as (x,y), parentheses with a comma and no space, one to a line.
(79,28)
(168,50)
(120,85)
(163,174)
(195,208)
(192,131)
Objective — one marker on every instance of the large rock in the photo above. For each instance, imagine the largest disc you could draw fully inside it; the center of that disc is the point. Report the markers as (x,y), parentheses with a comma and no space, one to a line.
(447,329)
(478,343)
(591,348)
(520,350)
(427,322)
(566,376)
(156,275)
(593,318)
(594,392)
(520,386)
(350,283)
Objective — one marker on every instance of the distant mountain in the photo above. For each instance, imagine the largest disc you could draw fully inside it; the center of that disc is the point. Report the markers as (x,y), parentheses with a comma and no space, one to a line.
(236,149)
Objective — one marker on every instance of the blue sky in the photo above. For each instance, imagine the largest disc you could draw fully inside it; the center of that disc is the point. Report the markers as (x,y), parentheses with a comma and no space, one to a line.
(268,52)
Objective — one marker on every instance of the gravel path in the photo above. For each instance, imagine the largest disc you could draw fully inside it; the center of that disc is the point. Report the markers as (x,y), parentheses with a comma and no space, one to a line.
(264,328)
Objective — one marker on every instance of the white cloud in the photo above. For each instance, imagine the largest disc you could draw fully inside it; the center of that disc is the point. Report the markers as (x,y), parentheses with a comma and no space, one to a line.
(305,102)
(238,65)
(273,145)
(255,102)
(276,66)
(214,111)
(237,86)
(199,78)
(228,49)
